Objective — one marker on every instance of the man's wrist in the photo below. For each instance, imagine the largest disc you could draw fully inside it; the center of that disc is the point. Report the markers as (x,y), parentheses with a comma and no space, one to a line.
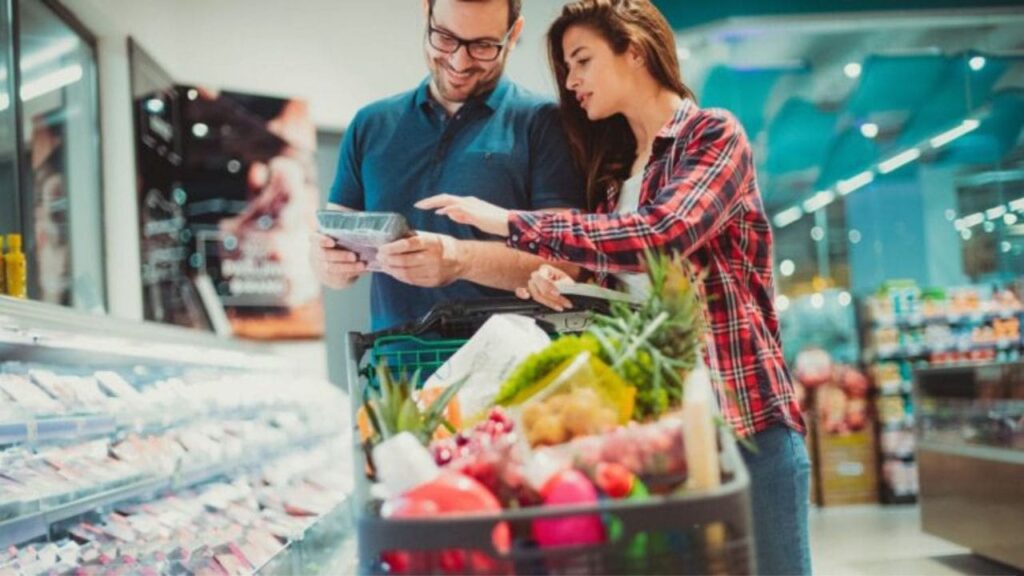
(459,253)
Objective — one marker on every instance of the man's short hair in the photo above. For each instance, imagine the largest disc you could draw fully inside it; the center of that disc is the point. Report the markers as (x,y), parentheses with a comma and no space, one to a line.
(515,7)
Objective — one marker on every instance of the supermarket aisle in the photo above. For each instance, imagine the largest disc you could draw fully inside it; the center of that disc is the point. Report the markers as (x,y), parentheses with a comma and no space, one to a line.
(880,541)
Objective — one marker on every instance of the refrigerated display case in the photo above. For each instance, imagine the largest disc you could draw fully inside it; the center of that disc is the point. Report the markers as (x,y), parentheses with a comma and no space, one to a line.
(144,448)
(970,432)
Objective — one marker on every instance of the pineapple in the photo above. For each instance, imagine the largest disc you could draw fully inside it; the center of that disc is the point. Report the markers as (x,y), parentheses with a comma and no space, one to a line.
(392,408)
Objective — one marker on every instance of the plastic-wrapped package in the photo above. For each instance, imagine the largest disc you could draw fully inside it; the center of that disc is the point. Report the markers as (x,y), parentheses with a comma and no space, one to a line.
(28,396)
(363,232)
(653,451)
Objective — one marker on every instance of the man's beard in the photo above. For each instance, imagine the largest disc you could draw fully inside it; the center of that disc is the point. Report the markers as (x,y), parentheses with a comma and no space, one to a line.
(485,82)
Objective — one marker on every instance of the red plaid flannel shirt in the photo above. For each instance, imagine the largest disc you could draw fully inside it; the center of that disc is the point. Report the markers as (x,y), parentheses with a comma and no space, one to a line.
(700,198)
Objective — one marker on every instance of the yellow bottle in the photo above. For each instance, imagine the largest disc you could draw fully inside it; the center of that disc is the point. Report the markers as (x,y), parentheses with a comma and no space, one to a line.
(14,267)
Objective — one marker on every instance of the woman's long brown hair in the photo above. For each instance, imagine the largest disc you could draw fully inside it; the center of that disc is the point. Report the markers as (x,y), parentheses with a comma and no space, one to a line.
(605,150)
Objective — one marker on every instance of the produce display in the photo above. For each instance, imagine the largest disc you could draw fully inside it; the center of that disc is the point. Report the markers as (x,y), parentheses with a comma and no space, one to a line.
(622,410)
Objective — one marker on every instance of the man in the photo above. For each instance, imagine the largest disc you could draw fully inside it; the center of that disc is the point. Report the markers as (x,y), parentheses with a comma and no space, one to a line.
(466,130)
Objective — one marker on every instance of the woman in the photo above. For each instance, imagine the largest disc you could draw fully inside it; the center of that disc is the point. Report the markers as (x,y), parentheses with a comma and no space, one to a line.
(663,174)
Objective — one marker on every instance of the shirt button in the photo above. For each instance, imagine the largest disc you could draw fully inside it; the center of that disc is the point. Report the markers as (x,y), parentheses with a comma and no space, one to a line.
(515,237)
(533,245)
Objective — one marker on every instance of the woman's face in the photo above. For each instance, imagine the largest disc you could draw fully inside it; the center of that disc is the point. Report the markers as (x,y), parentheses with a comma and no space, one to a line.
(599,77)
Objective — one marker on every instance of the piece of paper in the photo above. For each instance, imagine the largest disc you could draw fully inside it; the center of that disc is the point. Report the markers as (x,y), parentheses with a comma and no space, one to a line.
(594,291)
(488,358)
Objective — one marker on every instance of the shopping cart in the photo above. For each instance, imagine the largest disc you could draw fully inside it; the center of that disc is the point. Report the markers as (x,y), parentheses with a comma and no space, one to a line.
(697,532)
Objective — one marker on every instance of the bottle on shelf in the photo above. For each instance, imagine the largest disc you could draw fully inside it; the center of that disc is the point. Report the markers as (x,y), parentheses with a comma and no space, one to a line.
(14,268)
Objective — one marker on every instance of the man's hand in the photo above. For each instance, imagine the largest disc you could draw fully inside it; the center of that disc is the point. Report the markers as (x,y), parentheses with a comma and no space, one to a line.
(335,267)
(426,259)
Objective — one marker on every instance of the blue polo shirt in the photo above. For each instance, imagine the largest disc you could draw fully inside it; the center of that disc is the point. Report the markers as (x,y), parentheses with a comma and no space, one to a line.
(506,147)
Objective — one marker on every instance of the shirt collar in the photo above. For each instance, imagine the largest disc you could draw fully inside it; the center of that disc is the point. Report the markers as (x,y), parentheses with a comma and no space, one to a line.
(675,127)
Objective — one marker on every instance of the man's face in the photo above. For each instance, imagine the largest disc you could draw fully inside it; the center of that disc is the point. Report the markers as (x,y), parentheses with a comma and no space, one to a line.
(459,76)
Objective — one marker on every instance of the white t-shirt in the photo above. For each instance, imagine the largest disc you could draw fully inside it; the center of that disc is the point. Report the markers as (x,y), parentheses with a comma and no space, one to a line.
(637,284)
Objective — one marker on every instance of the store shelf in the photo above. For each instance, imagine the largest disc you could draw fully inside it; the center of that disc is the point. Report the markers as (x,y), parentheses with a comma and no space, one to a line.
(41,430)
(991,453)
(37,524)
(325,547)
(39,333)
(920,320)
(913,352)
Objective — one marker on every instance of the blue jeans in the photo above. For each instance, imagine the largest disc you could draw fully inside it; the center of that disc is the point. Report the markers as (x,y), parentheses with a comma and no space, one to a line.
(779,490)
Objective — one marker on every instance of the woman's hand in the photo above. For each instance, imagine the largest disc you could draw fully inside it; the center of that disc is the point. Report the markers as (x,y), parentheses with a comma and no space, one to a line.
(543,287)
(469,210)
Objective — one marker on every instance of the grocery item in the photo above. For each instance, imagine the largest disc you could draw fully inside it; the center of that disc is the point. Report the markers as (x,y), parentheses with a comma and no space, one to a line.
(392,406)
(487,358)
(701,444)
(559,485)
(580,398)
(15,271)
(363,232)
(420,489)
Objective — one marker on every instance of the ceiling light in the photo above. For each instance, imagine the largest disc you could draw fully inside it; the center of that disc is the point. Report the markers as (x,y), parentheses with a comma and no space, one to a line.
(200,130)
(819,200)
(787,217)
(973,220)
(989,227)
(817,234)
(950,214)
(1005,246)
(845,298)
(787,268)
(193,93)
(857,182)
(50,82)
(899,160)
(855,236)
(154,106)
(950,135)
(869,129)
(781,303)
(1017,204)
(1010,219)
(995,213)
(817,300)
(852,70)
(966,234)
(976,63)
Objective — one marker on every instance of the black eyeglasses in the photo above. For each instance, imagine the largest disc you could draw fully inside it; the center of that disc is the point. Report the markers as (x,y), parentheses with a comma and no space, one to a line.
(481,50)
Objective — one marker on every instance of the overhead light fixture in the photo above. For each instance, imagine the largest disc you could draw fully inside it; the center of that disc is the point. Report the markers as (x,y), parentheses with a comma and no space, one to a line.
(976,63)
(787,267)
(817,234)
(852,70)
(966,234)
(817,300)
(989,227)
(1005,246)
(973,220)
(859,181)
(818,201)
(845,299)
(52,52)
(1010,219)
(995,213)
(50,82)
(869,129)
(1017,204)
(950,214)
(787,217)
(959,224)
(855,236)
(948,136)
(200,130)
(899,160)
(193,94)
(781,303)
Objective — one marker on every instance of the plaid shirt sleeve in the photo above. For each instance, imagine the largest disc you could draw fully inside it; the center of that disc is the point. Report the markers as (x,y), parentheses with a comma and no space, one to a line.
(696,198)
